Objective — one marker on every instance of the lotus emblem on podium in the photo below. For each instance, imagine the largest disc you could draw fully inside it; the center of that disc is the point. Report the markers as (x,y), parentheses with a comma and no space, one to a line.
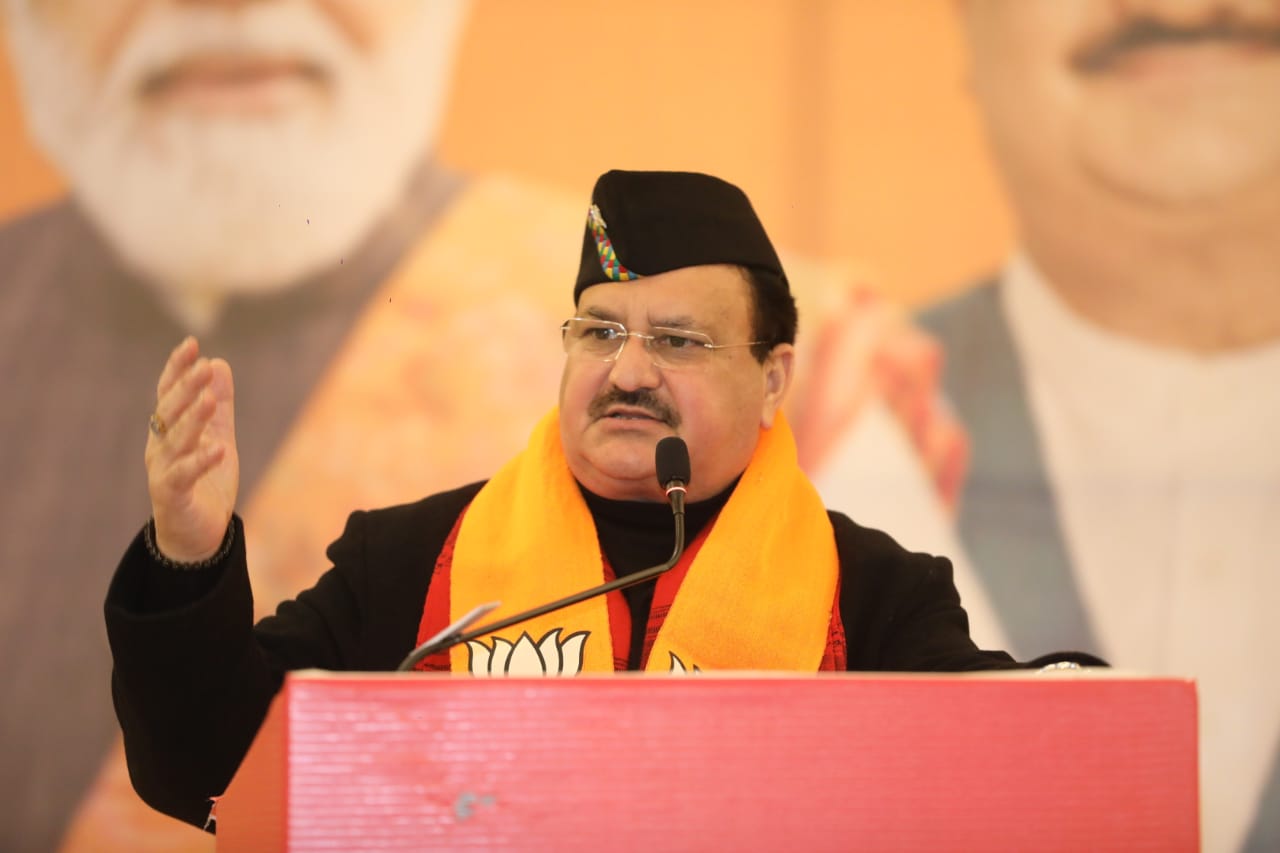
(548,656)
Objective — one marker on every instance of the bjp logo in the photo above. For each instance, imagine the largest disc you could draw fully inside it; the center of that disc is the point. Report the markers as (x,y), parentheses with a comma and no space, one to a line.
(678,667)
(548,656)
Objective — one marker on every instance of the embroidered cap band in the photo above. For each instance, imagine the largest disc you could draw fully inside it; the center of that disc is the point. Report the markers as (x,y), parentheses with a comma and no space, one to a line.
(604,248)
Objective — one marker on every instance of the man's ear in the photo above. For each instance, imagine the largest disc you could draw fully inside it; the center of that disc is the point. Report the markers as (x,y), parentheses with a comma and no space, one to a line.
(778,367)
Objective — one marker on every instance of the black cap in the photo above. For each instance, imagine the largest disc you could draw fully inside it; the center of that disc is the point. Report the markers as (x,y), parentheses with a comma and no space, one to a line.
(646,223)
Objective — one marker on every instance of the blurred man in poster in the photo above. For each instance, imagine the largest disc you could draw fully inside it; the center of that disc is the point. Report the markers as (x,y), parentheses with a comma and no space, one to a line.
(252,171)
(1118,380)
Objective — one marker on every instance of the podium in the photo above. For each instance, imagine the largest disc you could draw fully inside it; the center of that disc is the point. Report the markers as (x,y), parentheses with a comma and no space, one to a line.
(1020,761)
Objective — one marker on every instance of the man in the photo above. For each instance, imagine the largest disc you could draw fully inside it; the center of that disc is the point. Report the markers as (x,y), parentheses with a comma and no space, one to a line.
(1119,379)
(684,325)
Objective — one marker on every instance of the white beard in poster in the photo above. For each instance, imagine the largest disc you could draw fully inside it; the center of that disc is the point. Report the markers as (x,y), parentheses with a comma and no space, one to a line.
(231,150)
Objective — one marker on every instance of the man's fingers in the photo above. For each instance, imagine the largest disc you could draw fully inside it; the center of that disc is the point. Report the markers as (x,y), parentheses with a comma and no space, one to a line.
(223,389)
(180,358)
(184,435)
(944,448)
(908,372)
(842,372)
(182,392)
(182,473)
(870,348)
(909,361)
(220,380)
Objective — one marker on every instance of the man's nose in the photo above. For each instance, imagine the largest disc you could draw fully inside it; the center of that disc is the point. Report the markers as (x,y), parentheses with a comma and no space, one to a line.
(634,367)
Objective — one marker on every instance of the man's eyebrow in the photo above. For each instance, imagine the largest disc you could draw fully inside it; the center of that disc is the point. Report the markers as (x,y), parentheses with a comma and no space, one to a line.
(684,322)
(599,314)
(678,321)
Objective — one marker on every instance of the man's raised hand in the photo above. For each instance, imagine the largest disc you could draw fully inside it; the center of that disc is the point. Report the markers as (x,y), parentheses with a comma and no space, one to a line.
(193,471)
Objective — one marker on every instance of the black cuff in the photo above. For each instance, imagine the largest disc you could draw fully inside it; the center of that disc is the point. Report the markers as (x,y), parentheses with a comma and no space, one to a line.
(149,537)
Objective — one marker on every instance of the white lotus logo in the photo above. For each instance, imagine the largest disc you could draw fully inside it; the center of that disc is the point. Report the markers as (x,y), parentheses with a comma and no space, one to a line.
(548,656)
(678,667)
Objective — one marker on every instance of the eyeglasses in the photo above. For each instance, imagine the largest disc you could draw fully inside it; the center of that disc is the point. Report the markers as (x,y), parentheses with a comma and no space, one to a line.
(669,348)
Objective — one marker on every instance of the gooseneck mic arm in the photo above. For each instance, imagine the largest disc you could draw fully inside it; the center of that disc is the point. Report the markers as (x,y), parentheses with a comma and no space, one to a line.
(672,464)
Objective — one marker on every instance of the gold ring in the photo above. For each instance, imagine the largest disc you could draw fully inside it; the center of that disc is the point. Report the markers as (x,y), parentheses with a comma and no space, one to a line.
(157,425)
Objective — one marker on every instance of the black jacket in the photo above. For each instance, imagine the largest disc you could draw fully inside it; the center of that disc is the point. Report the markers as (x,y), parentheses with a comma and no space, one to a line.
(193,676)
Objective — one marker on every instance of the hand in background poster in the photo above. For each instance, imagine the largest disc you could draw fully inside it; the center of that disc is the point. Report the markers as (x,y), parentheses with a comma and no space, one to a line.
(869,354)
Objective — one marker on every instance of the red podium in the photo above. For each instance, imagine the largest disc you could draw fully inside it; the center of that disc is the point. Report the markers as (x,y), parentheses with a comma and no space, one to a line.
(720,762)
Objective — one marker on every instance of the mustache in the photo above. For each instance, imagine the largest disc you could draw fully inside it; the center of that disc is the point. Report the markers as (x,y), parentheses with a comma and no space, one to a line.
(1144,31)
(641,398)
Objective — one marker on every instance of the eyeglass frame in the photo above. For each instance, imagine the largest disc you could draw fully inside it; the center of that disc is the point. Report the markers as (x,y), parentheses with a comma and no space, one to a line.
(692,335)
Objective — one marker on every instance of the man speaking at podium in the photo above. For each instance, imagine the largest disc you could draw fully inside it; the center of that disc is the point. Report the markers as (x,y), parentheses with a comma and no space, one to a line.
(683,326)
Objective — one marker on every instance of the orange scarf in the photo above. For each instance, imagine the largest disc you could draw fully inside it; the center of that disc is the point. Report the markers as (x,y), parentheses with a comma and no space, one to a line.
(758,594)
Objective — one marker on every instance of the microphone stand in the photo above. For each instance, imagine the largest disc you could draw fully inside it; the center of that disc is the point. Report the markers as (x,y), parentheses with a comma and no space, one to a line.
(671,464)
(454,635)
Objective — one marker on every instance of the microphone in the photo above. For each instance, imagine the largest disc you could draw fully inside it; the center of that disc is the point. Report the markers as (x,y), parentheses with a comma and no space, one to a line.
(671,462)
(671,459)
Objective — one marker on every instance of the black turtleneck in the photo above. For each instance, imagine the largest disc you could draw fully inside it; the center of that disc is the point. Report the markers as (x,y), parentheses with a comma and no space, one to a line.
(635,535)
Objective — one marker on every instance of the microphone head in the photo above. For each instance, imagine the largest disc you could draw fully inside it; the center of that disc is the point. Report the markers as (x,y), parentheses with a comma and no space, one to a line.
(671,460)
